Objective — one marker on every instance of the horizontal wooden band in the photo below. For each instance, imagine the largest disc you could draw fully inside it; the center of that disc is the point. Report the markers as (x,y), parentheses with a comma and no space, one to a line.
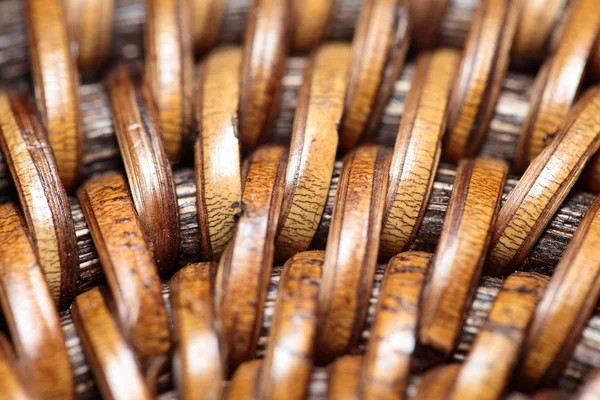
(169,70)
(417,150)
(128,266)
(30,313)
(313,148)
(56,82)
(195,333)
(113,363)
(461,250)
(149,173)
(43,198)
(351,252)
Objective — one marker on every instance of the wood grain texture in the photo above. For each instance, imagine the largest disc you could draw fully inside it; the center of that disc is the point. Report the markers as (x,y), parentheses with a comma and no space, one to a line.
(243,382)
(217,159)
(311,20)
(266,46)
(287,365)
(56,82)
(128,266)
(206,22)
(559,80)
(539,18)
(199,360)
(91,28)
(460,252)
(437,382)
(351,252)
(42,196)
(483,67)
(112,361)
(417,150)
(487,370)
(245,265)
(12,376)
(426,18)
(313,148)
(30,313)
(378,50)
(544,185)
(169,70)
(149,173)
(393,335)
(565,307)
(344,378)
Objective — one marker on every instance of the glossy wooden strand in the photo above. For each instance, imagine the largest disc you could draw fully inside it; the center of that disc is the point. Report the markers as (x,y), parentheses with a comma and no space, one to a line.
(393,335)
(460,252)
(378,50)
(477,86)
(313,148)
(245,265)
(148,171)
(13,379)
(437,382)
(344,378)
(128,265)
(311,22)
(112,361)
(351,252)
(91,27)
(243,383)
(426,18)
(544,186)
(287,364)
(56,84)
(558,81)
(486,372)
(417,150)
(206,22)
(199,364)
(169,70)
(565,307)
(534,31)
(594,62)
(266,47)
(30,313)
(217,160)
(43,198)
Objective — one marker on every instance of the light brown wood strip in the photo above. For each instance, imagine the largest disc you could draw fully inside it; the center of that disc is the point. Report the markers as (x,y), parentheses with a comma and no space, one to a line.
(311,22)
(344,378)
(207,19)
(243,383)
(13,378)
(426,18)
(436,383)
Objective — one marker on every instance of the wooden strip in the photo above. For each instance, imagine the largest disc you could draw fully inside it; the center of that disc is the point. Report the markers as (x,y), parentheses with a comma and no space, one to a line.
(245,266)
(287,364)
(128,265)
(437,382)
(477,86)
(13,379)
(148,171)
(351,253)
(43,198)
(207,20)
(243,383)
(487,370)
(169,70)
(417,150)
(378,51)
(460,253)
(91,27)
(393,335)
(265,50)
(426,17)
(313,148)
(565,307)
(311,22)
(544,185)
(559,80)
(217,151)
(112,361)
(344,378)
(56,84)
(30,313)
(199,361)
